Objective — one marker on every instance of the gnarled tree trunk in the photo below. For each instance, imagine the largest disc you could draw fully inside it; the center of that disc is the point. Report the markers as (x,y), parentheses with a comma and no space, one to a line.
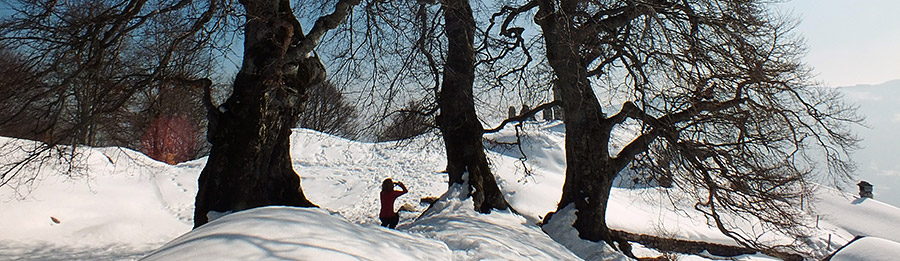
(458,121)
(589,168)
(249,164)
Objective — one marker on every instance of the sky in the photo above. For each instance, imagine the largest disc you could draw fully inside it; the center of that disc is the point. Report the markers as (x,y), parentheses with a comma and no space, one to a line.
(877,156)
(850,42)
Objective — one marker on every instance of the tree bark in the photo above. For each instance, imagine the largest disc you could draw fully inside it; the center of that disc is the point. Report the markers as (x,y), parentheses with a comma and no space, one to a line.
(458,121)
(589,168)
(249,163)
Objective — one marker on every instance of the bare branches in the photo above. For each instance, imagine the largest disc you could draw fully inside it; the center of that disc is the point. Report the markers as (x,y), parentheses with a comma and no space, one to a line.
(194,29)
(513,12)
(422,15)
(721,104)
(322,26)
(97,68)
(514,33)
(662,126)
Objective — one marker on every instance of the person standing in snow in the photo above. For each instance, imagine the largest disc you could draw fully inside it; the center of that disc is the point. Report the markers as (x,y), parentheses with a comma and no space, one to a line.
(388,217)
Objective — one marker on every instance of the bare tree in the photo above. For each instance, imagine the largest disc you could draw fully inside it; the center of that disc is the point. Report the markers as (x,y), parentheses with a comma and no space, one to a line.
(407,123)
(249,163)
(91,59)
(88,61)
(458,121)
(328,111)
(376,56)
(166,124)
(18,83)
(409,60)
(723,105)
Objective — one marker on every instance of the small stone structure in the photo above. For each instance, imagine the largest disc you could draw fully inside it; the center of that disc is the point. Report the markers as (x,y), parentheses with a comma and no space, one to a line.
(525,109)
(548,114)
(865,189)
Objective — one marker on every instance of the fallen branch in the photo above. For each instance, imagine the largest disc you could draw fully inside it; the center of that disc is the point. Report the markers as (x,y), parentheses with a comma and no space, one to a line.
(696,247)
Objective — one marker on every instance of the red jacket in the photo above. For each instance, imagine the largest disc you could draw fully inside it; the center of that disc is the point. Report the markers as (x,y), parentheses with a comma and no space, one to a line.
(387,202)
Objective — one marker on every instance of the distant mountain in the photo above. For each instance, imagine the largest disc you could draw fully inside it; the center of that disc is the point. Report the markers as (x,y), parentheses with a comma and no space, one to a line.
(879,157)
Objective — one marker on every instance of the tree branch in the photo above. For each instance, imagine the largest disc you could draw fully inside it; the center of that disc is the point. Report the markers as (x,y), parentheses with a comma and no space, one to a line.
(421,14)
(322,26)
(614,19)
(660,126)
(514,33)
(513,13)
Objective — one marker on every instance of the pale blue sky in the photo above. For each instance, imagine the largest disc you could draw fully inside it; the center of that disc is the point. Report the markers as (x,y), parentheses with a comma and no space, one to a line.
(850,41)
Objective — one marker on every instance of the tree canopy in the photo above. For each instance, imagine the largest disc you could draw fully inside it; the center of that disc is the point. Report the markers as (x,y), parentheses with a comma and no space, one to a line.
(718,102)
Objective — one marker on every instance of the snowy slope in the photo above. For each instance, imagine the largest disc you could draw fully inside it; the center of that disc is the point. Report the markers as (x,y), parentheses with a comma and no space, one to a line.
(132,205)
(869,249)
(345,176)
(123,209)
(859,216)
(298,234)
(473,236)
(450,231)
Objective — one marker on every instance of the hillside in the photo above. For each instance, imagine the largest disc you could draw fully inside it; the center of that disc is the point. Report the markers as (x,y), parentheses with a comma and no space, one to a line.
(877,160)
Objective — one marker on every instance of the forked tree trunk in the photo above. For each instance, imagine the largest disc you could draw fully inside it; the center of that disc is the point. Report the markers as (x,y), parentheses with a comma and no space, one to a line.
(250,164)
(458,121)
(589,168)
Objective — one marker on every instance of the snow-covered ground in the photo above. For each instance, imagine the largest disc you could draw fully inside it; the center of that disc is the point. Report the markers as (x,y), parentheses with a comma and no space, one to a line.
(869,249)
(130,206)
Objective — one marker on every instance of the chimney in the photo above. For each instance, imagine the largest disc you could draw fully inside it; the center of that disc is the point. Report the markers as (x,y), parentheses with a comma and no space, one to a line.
(865,189)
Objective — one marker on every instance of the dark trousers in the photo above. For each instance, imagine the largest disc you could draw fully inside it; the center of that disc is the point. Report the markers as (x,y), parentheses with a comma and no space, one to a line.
(390,222)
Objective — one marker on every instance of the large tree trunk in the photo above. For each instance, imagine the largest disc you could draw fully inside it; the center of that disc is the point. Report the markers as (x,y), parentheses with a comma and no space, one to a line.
(249,164)
(458,121)
(589,168)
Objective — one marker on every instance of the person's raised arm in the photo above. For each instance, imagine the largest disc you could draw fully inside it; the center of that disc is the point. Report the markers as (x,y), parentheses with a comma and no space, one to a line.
(402,187)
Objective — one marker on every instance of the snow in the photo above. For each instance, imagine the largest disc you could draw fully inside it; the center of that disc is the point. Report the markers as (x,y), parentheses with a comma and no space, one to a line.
(869,249)
(500,235)
(345,176)
(122,209)
(560,230)
(305,234)
(130,206)
(288,233)
(639,210)
(859,216)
